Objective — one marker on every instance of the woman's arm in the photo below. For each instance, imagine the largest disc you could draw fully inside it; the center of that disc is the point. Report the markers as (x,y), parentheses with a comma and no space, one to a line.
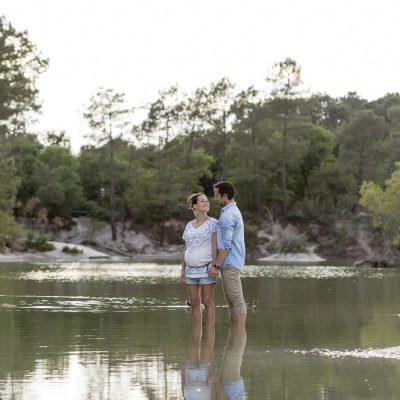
(183,274)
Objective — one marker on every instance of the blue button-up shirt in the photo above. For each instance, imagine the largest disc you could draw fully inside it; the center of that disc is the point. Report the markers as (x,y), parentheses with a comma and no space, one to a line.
(230,236)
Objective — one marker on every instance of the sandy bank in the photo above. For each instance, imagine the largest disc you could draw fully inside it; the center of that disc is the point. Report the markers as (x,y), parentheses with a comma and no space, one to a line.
(86,254)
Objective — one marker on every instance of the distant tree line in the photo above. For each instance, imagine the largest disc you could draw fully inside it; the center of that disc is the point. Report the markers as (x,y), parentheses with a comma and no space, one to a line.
(289,153)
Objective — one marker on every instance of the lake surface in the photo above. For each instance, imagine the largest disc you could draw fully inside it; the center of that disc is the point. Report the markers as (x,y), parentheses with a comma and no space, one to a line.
(123,331)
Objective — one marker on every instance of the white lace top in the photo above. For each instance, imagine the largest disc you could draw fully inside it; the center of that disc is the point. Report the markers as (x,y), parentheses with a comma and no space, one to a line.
(198,242)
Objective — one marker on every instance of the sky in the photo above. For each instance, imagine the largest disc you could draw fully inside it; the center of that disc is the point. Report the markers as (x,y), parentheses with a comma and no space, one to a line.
(139,47)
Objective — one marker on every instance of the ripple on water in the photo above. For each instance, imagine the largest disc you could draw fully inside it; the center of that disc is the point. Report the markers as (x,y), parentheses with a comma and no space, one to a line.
(388,352)
(311,272)
(73,272)
(88,304)
(155,273)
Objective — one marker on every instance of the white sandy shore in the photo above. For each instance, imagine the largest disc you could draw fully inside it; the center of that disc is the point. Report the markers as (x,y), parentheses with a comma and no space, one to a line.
(88,254)
(58,255)
(293,257)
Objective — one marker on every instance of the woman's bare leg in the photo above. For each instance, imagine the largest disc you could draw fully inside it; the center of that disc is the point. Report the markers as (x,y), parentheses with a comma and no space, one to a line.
(195,302)
(207,297)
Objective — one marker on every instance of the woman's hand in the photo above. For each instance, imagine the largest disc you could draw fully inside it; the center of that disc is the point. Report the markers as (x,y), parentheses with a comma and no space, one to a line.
(182,278)
(213,272)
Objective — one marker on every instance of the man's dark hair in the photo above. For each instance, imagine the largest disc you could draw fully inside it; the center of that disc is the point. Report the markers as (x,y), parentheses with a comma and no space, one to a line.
(225,188)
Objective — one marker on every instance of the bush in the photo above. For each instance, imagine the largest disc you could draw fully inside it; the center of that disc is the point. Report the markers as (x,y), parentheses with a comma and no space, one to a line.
(251,238)
(89,243)
(287,240)
(294,244)
(10,231)
(71,250)
(38,242)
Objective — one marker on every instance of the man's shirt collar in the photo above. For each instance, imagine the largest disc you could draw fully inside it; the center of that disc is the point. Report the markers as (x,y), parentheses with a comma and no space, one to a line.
(224,208)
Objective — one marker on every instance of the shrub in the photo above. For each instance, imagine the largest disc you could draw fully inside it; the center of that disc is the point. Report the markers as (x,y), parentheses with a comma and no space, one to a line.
(288,240)
(38,242)
(10,231)
(293,244)
(71,250)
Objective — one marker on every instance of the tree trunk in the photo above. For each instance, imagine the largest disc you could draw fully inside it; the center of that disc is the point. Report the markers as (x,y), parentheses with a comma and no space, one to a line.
(162,233)
(284,157)
(256,171)
(112,191)
(305,182)
(224,145)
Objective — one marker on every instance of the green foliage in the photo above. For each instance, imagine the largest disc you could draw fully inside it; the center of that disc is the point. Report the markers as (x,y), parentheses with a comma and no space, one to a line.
(21,64)
(318,145)
(384,205)
(25,150)
(38,242)
(9,182)
(293,155)
(362,146)
(10,231)
(94,226)
(95,210)
(288,240)
(329,186)
(201,167)
(57,181)
(71,250)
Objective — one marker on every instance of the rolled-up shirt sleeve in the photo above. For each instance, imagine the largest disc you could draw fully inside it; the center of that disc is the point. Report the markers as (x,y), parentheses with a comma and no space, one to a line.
(226,226)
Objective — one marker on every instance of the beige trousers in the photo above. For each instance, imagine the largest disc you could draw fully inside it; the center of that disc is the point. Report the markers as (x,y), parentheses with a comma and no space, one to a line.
(233,292)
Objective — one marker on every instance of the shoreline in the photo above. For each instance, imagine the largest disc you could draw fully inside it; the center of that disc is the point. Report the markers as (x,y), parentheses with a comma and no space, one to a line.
(86,254)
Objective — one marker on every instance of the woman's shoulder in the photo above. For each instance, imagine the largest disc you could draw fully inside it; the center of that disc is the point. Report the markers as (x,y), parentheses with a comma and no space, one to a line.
(190,223)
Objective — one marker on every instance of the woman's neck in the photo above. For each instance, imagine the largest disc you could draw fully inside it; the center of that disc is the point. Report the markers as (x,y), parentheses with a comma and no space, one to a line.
(201,217)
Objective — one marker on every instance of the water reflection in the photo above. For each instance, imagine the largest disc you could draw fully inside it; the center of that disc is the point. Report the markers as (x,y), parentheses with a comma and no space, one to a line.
(202,378)
(198,373)
(230,376)
(118,331)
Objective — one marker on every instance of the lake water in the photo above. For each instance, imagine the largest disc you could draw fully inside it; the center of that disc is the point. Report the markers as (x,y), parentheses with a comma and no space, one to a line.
(123,331)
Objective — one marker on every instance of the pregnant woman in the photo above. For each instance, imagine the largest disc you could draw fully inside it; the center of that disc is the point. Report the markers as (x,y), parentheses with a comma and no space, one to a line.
(198,257)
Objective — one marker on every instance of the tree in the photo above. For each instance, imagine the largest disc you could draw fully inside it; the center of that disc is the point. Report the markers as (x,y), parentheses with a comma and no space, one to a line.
(195,121)
(220,113)
(393,117)
(9,181)
(54,138)
(362,146)
(57,182)
(163,117)
(107,117)
(319,145)
(384,205)
(20,66)
(325,111)
(285,79)
(25,150)
(248,126)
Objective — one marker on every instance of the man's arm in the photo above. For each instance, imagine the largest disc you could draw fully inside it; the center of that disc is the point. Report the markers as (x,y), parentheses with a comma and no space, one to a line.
(222,253)
(227,225)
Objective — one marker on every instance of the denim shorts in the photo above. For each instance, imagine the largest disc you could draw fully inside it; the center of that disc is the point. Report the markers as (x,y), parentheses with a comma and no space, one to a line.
(200,281)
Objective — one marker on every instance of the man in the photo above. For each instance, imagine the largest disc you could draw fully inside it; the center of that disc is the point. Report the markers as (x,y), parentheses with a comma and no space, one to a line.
(231,251)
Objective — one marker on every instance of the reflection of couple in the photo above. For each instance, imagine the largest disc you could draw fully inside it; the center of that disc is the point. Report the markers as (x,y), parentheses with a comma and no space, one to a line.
(201,379)
(211,248)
